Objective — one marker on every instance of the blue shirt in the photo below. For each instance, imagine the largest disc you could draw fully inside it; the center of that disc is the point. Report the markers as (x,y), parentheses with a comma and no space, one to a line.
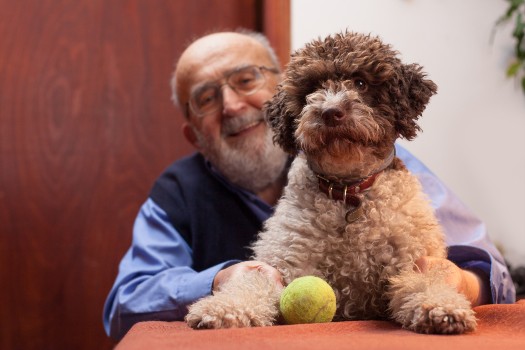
(156,281)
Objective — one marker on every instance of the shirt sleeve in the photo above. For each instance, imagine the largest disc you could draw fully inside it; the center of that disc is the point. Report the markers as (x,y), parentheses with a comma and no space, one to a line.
(469,245)
(155,279)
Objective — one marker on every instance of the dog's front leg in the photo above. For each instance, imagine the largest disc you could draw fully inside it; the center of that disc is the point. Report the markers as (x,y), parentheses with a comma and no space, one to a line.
(425,303)
(248,299)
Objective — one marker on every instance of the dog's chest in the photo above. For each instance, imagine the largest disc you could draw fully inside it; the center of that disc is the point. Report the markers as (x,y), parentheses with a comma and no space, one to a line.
(359,258)
(386,238)
(309,235)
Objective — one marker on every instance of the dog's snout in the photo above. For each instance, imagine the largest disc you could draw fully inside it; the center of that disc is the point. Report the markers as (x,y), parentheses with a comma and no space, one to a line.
(333,116)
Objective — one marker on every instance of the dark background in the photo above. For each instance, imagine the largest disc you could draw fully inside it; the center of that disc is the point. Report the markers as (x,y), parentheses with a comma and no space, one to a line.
(86,125)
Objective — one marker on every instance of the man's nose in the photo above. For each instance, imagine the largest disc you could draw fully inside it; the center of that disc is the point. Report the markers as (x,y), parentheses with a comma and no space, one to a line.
(232,102)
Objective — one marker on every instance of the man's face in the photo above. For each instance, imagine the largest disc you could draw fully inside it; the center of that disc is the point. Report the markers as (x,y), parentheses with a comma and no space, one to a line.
(235,138)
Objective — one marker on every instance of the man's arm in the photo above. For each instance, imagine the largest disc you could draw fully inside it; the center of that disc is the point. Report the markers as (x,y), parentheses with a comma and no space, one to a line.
(469,246)
(471,283)
(155,279)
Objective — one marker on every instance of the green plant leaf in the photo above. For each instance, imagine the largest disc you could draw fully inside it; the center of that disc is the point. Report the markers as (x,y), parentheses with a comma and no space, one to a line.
(520,27)
(514,5)
(513,69)
(516,12)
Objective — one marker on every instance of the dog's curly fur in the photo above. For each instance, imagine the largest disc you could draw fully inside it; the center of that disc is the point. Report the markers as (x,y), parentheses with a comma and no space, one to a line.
(341,106)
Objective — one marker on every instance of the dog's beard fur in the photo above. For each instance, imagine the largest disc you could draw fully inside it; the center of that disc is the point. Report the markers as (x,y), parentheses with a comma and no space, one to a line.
(354,147)
(253,163)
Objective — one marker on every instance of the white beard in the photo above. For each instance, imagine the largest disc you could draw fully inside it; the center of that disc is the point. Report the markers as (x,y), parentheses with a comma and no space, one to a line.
(252,164)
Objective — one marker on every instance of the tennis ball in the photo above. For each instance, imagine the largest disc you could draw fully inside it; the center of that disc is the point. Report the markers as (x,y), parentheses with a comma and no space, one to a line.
(307,299)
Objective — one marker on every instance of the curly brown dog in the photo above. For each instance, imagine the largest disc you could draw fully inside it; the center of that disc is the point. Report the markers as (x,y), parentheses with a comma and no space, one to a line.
(351,213)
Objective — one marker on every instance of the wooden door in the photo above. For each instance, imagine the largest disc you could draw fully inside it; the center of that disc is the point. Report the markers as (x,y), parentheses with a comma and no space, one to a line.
(86,125)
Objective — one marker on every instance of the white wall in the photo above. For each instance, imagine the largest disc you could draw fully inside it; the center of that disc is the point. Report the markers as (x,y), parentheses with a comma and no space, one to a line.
(473,129)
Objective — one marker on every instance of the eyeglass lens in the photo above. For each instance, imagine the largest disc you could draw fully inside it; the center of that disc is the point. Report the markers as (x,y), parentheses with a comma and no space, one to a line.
(245,81)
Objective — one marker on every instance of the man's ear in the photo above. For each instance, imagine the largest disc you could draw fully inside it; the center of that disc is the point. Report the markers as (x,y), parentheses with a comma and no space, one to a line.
(189,134)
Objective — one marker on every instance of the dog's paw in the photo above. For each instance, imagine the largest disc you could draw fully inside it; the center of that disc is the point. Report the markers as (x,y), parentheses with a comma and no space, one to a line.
(200,317)
(448,319)
(213,321)
(246,300)
(425,303)
(212,313)
(216,312)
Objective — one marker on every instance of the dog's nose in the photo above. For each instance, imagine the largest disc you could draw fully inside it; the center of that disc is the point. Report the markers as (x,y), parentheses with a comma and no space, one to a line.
(333,116)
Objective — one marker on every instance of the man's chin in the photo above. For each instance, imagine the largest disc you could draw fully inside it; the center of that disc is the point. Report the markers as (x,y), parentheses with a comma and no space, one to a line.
(252,169)
(251,161)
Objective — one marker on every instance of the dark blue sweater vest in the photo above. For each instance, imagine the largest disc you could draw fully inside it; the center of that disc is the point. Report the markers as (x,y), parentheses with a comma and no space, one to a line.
(211,218)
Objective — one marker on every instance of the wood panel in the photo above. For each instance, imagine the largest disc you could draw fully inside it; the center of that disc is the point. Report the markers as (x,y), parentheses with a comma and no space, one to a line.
(276,26)
(86,125)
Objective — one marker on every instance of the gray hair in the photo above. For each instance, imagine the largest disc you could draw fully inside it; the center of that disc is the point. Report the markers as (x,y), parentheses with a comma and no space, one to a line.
(259,37)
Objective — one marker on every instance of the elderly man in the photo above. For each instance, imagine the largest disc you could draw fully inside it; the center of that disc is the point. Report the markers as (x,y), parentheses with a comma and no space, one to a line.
(192,232)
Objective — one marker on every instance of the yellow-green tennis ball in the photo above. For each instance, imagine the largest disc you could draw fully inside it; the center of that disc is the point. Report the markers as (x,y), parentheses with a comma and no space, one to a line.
(308,299)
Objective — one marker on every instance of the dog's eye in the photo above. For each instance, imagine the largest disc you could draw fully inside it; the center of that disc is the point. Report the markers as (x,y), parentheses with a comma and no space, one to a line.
(360,84)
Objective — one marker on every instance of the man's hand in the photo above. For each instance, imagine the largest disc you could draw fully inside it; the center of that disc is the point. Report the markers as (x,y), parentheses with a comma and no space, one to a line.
(470,284)
(225,274)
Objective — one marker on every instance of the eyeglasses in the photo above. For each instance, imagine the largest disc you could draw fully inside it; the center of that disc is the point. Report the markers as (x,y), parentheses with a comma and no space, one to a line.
(245,81)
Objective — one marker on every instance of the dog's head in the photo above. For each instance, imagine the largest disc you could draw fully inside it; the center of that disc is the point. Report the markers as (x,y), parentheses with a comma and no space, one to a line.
(345,91)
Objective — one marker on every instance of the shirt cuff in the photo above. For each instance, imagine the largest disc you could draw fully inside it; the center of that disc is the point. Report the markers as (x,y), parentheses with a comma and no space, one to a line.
(202,283)
(469,257)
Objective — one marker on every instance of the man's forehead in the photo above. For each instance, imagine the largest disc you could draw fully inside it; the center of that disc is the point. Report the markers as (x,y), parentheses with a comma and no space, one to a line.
(222,45)
(210,58)
(220,42)
(212,66)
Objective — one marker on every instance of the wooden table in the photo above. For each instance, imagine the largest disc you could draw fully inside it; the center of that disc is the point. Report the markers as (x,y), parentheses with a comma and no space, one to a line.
(499,327)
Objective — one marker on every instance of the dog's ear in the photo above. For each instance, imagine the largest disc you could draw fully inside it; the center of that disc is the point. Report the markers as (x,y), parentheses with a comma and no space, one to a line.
(282,121)
(412,97)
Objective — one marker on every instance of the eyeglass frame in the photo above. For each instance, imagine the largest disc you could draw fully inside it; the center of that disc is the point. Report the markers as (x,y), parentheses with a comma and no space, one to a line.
(226,77)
